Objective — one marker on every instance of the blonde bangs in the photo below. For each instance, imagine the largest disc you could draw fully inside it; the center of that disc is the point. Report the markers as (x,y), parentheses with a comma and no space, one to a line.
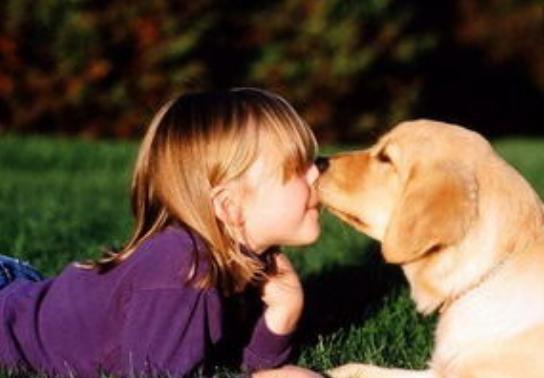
(295,147)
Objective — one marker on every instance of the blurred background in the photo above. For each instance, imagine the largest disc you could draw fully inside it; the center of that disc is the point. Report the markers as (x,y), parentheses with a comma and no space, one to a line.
(80,80)
(100,68)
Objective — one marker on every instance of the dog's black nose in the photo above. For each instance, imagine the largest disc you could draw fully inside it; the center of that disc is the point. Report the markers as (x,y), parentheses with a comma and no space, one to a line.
(322,163)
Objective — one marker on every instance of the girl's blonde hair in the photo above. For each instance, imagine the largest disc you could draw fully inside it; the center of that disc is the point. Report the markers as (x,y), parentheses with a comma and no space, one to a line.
(196,142)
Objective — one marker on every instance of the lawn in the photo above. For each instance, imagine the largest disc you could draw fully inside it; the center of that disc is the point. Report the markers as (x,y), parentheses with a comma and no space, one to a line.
(63,200)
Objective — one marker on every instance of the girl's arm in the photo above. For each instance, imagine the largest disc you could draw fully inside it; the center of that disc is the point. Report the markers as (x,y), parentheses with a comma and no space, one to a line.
(282,296)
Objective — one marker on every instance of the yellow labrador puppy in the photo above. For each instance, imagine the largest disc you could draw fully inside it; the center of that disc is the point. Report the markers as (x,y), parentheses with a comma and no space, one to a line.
(468,232)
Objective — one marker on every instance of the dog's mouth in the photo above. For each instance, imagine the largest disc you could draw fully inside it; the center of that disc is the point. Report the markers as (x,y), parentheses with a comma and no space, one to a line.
(351,219)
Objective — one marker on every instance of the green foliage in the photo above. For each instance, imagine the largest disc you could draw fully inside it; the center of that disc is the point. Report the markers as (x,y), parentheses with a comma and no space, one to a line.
(353,68)
(95,67)
(321,53)
(62,200)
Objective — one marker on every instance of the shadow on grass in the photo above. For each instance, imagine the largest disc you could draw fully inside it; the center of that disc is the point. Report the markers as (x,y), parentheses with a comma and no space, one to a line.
(347,295)
(336,297)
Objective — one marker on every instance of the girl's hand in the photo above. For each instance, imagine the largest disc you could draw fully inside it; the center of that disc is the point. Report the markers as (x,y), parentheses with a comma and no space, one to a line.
(283,296)
(288,371)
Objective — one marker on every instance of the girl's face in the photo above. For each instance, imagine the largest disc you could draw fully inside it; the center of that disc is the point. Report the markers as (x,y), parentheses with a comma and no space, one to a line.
(275,212)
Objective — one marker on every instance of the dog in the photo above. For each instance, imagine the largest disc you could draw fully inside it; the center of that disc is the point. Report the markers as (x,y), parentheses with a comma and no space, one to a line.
(467,231)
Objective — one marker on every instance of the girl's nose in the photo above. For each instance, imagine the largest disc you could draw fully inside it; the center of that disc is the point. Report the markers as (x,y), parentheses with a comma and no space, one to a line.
(322,163)
(312,174)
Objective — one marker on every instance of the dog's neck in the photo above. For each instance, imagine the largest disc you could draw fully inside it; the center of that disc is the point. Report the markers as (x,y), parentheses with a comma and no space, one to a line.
(521,248)
(450,300)
(511,248)
(439,281)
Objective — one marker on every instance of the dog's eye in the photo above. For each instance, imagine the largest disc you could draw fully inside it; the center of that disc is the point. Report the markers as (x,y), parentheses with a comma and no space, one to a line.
(383,157)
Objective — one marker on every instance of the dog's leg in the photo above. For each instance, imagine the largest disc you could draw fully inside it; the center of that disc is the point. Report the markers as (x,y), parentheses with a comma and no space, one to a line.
(370,371)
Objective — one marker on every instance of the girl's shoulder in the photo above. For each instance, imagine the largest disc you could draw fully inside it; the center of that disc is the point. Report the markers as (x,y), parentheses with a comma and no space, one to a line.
(167,258)
(172,239)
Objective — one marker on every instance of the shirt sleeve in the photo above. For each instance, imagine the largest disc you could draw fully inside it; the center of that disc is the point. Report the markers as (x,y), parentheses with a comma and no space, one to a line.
(168,330)
(266,349)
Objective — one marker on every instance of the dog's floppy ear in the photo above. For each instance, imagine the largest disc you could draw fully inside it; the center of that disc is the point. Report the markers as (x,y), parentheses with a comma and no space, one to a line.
(435,211)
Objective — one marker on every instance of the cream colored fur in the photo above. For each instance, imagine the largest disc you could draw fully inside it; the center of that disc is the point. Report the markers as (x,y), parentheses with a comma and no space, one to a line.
(468,232)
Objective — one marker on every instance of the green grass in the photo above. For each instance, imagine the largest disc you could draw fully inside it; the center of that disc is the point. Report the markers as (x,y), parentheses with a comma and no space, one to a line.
(63,200)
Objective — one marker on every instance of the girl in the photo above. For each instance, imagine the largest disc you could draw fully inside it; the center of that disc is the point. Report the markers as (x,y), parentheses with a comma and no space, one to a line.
(221,180)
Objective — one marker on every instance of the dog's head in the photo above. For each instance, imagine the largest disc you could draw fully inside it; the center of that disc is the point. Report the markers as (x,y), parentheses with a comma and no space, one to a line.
(427,187)
(415,190)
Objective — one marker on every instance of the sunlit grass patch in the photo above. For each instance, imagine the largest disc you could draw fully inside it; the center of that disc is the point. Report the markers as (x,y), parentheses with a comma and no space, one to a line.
(63,200)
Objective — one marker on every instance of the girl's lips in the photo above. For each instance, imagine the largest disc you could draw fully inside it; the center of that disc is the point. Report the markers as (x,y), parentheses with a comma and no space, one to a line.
(313,202)
(316,205)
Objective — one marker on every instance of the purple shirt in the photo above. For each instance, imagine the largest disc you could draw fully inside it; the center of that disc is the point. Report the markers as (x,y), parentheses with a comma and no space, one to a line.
(138,317)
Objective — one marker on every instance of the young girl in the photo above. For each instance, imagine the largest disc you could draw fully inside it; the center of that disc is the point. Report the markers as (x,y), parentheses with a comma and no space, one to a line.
(221,180)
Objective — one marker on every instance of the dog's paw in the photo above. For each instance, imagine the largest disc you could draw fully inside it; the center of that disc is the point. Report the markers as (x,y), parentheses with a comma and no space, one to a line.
(347,371)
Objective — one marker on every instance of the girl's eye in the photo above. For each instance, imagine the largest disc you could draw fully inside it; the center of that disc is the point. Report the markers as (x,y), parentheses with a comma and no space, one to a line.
(383,157)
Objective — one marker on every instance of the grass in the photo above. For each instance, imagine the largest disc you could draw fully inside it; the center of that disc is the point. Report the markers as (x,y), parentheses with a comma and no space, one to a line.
(63,200)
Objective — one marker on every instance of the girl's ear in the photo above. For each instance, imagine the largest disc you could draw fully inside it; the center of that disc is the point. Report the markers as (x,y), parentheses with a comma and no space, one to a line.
(226,205)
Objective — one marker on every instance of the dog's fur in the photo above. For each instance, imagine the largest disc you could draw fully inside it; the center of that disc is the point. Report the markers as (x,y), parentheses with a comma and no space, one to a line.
(468,232)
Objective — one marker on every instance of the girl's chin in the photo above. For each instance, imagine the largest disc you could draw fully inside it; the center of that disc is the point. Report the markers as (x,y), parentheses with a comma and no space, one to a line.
(312,235)
(314,211)
(309,236)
